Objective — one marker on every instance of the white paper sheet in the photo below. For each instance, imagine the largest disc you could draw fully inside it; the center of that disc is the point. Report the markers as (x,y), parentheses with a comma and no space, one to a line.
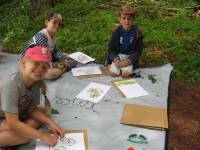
(130,88)
(86,71)
(81,57)
(94,92)
(41,146)
(71,141)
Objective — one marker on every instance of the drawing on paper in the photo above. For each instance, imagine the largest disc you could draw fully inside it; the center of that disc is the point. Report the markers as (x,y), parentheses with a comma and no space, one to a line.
(94,92)
(63,144)
(71,141)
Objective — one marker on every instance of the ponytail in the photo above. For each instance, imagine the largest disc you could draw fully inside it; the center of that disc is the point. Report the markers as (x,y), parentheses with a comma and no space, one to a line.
(43,90)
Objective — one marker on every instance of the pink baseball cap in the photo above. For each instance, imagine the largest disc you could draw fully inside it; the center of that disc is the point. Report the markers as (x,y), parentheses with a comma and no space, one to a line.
(39,53)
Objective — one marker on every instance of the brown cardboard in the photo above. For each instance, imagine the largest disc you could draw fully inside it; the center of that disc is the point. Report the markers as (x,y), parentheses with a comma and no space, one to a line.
(145,116)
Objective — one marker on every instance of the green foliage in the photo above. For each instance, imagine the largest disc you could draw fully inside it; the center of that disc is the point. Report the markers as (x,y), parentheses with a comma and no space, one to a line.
(170,35)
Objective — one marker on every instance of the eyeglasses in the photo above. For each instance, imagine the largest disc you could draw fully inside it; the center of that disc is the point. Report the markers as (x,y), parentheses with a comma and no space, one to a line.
(137,139)
(57,22)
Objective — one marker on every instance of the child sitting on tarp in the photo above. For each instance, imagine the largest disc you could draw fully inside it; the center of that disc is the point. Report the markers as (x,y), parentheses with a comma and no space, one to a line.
(20,115)
(46,37)
(125,45)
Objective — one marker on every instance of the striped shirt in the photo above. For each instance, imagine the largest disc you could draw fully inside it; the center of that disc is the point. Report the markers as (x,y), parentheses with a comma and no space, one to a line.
(42,38)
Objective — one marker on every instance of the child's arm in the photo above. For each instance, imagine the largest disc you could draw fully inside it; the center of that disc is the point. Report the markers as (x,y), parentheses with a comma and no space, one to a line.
(24,130)
(113,46)
(137,49)
(58,55)
(43,118)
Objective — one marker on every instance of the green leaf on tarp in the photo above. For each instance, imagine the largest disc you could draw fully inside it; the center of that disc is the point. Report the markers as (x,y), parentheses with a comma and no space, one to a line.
(152,78)
(54,111)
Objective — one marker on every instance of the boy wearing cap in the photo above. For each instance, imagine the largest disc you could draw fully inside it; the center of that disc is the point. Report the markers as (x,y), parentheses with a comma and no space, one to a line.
(20,115)
(46,37)
(125,45)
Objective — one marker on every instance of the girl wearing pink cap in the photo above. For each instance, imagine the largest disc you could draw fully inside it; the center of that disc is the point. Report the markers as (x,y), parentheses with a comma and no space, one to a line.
(20,115)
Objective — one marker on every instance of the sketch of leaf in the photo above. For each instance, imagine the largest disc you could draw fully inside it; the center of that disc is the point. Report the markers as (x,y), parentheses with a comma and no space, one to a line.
(94,93)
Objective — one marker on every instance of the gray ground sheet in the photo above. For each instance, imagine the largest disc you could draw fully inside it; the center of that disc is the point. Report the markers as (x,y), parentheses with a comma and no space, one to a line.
(102,120)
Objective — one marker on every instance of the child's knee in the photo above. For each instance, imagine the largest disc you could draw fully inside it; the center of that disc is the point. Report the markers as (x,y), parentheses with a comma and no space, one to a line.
(113,70)
(113,74)
(3,125)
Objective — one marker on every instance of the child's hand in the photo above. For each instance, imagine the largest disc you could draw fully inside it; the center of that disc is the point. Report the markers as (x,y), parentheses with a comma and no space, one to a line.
(57,130)
(47,138)
(117,62)
(124,63)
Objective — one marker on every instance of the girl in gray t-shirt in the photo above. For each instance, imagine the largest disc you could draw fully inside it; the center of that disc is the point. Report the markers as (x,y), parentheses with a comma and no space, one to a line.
(19,96)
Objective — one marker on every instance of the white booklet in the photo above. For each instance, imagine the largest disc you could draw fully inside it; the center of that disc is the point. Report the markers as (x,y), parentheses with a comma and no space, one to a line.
(71,141)
(129,88)
(94,92)
(86,71)
(81,57)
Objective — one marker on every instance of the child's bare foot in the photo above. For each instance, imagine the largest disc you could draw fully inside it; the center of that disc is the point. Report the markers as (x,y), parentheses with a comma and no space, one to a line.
(125,74)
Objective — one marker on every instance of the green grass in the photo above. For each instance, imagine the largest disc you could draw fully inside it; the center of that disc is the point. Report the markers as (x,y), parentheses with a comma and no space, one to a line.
(170,36)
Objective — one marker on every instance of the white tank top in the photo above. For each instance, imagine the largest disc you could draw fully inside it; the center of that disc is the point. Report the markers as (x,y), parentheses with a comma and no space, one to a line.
(51,42)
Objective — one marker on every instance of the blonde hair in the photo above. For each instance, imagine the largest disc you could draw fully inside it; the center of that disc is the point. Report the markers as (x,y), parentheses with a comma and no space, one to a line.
(43,91)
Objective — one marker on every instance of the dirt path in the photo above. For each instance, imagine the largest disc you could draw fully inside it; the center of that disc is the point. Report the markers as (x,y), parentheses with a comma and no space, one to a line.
(184,121)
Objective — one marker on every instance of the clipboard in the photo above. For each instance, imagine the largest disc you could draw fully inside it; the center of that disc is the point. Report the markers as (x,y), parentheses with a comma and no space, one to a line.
(84,131)
(85,134)
(129,88)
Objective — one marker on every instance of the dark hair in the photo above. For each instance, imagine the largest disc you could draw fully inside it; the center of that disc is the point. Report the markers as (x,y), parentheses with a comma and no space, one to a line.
(57,15)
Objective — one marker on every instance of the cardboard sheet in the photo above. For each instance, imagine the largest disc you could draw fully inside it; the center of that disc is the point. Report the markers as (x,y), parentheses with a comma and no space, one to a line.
(139,115)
